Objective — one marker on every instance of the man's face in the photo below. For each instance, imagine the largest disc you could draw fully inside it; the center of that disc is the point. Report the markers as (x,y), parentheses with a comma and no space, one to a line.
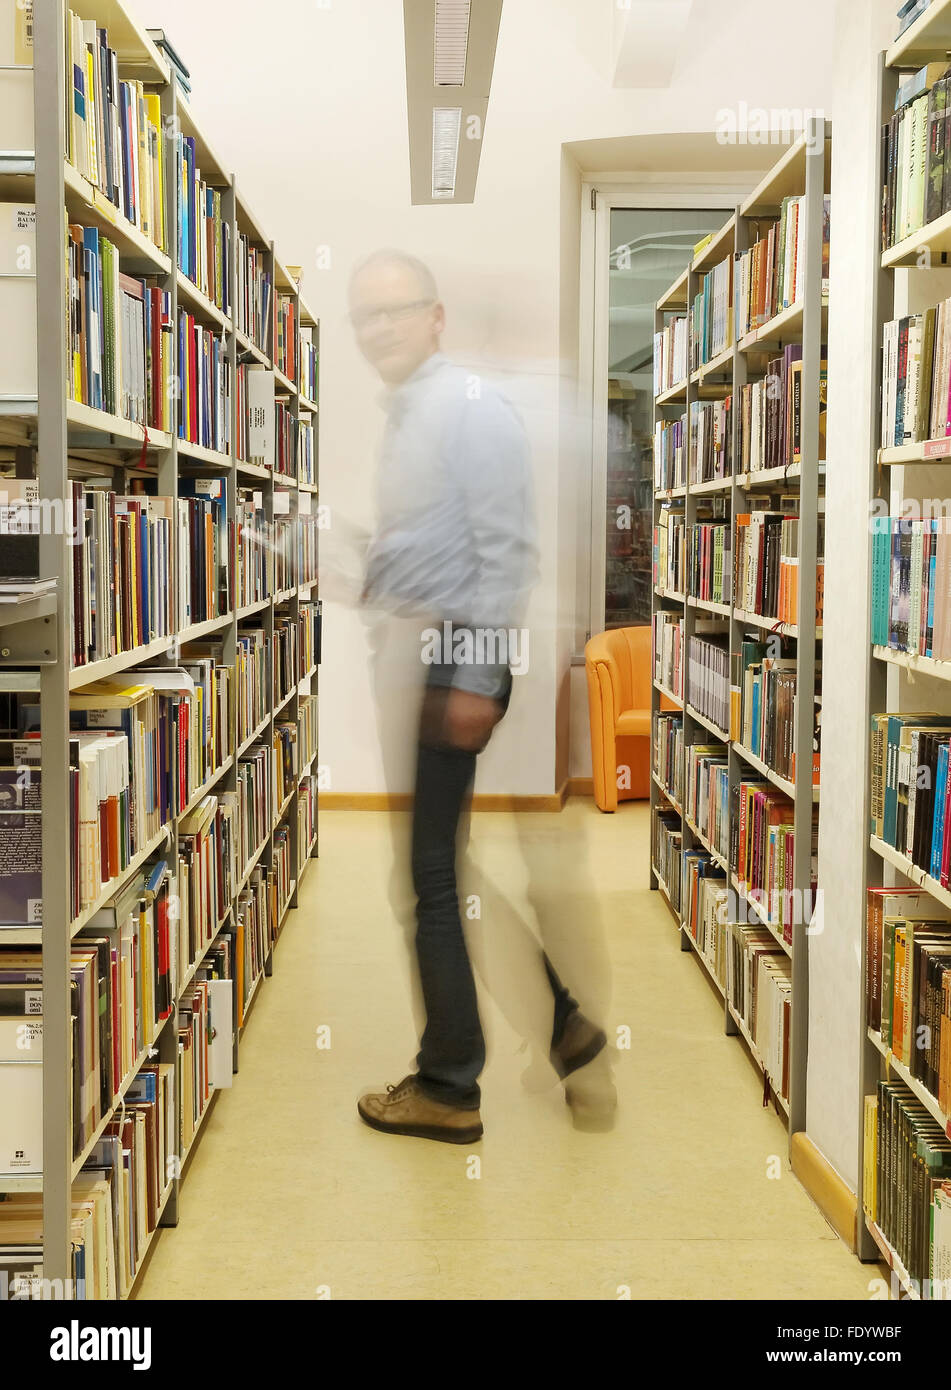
(397,327)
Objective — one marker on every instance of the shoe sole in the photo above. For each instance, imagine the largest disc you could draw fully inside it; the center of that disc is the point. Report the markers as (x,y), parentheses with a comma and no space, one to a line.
(437,1132)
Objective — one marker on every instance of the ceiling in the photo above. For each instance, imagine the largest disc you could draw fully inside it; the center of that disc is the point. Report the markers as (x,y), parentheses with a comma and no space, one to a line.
(466,30)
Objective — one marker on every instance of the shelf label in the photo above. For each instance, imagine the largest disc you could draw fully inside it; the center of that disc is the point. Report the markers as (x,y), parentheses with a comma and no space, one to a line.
(937,448)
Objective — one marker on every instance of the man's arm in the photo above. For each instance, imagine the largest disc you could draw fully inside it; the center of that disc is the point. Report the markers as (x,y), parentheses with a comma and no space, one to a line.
(494,471)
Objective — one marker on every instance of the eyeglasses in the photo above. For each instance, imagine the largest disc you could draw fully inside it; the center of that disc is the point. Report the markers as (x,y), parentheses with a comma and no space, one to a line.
(395,313)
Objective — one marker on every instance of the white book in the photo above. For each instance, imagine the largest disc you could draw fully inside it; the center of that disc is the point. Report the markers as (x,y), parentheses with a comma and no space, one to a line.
(21,1095)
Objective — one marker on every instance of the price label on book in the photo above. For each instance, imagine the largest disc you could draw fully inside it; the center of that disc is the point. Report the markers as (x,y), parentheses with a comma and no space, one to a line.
(937,448)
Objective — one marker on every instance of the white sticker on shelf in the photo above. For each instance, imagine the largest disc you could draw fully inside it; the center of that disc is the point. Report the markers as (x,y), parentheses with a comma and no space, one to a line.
(24,217)
(282,503)
(33,1001)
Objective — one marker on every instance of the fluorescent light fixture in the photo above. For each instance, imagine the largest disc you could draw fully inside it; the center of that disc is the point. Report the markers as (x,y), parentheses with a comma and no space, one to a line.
(447,123)
(450,42)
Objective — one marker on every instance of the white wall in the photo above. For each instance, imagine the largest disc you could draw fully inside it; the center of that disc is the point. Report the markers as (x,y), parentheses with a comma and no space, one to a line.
(310,110)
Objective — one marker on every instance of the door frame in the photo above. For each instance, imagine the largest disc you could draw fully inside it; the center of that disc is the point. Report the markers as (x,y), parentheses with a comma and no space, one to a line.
(598,200)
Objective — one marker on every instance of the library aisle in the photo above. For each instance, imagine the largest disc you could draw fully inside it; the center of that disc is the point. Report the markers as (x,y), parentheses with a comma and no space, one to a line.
(290,1197)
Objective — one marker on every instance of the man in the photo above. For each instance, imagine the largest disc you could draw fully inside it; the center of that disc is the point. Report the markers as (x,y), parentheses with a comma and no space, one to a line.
(454,559)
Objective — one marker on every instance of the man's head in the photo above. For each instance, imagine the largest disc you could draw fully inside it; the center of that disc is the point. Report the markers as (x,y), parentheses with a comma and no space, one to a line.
(396,313)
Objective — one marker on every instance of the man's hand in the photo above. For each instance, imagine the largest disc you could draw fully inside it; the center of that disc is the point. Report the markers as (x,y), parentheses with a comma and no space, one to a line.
(459,719)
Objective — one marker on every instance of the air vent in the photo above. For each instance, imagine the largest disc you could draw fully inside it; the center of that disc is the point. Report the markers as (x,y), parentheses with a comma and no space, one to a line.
(447,123)
(450,42)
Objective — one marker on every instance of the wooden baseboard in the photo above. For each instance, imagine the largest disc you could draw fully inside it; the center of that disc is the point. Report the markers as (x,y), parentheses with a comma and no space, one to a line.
(830,1192)
(403,801)
(580,786)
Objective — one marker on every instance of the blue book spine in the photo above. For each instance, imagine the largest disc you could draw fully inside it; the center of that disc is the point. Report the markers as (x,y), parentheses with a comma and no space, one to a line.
(891,788)
(941,791)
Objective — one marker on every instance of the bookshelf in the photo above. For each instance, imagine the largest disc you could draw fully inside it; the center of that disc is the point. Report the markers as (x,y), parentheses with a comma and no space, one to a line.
(65,440)
(686,497)
(908,674)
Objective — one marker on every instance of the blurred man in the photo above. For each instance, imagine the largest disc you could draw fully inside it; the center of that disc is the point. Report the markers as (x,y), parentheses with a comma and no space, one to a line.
(452,565)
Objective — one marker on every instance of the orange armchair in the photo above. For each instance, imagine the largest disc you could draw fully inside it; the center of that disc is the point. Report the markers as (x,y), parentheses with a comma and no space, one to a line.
(618,668)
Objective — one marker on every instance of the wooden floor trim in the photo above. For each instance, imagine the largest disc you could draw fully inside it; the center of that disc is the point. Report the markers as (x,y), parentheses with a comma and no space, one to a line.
(827,1188)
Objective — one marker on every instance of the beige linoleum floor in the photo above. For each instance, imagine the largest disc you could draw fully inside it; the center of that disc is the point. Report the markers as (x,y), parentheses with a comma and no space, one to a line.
(289,1196)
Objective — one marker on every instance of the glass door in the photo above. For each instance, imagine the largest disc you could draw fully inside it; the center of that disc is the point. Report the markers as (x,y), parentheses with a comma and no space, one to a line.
(650,247)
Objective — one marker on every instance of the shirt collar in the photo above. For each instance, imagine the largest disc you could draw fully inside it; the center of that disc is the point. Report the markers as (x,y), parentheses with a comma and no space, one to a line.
(396,396)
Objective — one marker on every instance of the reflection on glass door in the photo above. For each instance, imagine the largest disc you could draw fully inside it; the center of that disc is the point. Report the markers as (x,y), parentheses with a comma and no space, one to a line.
(649,249)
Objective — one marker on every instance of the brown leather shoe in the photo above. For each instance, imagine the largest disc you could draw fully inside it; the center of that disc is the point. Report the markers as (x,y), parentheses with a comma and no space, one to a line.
(403,1109)
(580,1043)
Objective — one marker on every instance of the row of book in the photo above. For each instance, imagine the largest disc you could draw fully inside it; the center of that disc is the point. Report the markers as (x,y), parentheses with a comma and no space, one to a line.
(307,739)
(911,580)
(306,819)
(909,760)
(759,992)
(754,972)
(768,701)
(916,181)
(708,680)
(120,1191)
(114,130)
(670,551)
(704,916)
(711,317)
(916,377)
(255,931)
(666,851)
(204,415)
(769,276)
(286,662)
(908,983)
(707,794)
(709,561)
(309,383)
(907,1186)
(286,763)
(763,849)
(670,355)
(286,334)
(254,309)
(667,753)
(711,440)
(670,454)
(122,988)
(204,232)
(119,335)
(306,452)
(667,647)
(143,744)
(766,560)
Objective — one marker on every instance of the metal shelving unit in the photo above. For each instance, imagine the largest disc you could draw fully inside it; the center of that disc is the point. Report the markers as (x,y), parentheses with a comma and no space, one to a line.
(803,170)
(898,680)
(37,642)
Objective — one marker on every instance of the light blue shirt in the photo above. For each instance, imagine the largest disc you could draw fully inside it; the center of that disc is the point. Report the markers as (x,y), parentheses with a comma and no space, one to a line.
(456,537)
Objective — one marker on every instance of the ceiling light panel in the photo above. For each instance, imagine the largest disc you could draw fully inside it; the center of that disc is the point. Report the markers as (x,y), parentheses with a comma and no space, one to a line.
(450,42)
(447,123)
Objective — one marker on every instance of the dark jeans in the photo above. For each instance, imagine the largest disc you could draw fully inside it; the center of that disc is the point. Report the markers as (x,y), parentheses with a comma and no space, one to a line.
(452,1050)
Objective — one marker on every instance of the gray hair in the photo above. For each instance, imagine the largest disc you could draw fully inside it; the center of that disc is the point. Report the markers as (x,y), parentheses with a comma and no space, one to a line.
(389,256)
